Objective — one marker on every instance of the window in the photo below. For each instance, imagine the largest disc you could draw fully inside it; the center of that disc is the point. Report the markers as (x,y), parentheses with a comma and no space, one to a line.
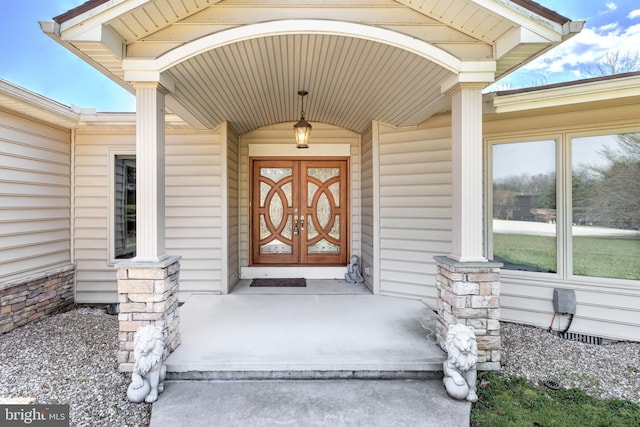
(568,206)
(524,205)
(124,218)
(606,205)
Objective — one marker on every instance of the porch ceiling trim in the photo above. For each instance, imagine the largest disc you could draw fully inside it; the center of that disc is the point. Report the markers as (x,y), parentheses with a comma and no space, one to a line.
(135,69)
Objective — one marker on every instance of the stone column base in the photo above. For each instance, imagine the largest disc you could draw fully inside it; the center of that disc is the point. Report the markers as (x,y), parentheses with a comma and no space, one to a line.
(469,294)
(148,295)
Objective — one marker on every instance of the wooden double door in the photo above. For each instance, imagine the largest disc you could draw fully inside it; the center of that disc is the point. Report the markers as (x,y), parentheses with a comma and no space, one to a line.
(299,211)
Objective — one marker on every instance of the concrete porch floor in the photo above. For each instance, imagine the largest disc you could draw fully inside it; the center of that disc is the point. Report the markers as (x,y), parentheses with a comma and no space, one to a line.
(368,360)
(255,333)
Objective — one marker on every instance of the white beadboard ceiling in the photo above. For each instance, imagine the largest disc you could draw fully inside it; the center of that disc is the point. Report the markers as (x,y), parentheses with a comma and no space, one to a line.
(351,81)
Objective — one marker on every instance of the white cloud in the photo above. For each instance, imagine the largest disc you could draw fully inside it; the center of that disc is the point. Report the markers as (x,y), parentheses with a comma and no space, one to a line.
(585,48)
(634,14)
(611,7)
(608,27)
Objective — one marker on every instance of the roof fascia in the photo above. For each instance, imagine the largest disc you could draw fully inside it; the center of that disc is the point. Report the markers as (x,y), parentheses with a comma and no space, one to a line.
(524,17)
(32,99)
(87,22)
(565,95)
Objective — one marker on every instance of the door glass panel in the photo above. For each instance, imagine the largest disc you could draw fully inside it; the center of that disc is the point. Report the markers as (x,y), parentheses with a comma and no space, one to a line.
(323,211)
(335,192)
(276,211)
(325,245)
(323,174)
(276,222)
(275,174)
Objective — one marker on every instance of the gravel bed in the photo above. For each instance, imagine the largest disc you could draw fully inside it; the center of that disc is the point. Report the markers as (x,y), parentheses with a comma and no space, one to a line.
(602,371)
(71,358)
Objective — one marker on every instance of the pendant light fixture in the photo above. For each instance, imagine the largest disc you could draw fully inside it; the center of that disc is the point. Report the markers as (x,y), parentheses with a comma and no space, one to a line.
(302,129)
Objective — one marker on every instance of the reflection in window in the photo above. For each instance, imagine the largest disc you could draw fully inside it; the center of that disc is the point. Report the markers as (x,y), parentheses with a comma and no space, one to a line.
(125,207)
(524,205)
(606,206)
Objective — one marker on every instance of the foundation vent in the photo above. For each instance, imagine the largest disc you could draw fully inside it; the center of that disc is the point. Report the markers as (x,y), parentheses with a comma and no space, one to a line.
(587,339)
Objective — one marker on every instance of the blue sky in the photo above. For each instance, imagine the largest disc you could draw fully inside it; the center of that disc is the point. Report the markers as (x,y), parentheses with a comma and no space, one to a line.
(34,61)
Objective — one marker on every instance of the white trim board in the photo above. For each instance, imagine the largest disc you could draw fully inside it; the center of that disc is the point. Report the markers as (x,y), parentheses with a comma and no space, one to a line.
(290,150)
(293,272)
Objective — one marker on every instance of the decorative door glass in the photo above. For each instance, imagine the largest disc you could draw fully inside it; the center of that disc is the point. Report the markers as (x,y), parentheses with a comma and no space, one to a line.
(298,212)
(323,202)
(276,207)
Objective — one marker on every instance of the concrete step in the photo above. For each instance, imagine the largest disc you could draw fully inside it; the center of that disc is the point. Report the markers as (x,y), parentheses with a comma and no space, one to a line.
(311,403)
(234,375)
(247,337)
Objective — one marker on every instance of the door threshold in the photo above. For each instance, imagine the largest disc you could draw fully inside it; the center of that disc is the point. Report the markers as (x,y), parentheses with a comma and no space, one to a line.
(336,272)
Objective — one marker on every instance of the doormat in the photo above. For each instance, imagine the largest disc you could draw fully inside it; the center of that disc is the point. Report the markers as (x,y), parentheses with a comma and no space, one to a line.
(284,283)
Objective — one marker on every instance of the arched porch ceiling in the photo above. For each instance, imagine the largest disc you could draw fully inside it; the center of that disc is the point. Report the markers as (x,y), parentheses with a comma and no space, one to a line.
(350,81)
(253,81)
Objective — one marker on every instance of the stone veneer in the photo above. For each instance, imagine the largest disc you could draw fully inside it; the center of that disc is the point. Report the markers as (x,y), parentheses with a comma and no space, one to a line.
(469,293)
(148,295)
(25,300)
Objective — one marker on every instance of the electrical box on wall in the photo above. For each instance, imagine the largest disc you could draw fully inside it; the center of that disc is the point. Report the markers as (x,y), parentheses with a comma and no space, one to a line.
(564,301)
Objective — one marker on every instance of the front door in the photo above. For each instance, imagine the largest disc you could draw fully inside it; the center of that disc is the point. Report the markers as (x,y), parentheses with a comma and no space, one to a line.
(299,212)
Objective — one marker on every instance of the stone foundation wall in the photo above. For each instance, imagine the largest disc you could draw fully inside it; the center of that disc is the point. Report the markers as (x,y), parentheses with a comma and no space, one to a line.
(469,294)
(148,295)
(28,299)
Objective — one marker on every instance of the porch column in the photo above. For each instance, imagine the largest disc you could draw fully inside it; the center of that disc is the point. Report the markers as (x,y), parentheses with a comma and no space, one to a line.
(466,152)
(150,172)
(148,283)
(468,285)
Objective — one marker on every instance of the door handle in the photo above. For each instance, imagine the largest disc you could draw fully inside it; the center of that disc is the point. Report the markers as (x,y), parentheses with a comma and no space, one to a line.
(301,222)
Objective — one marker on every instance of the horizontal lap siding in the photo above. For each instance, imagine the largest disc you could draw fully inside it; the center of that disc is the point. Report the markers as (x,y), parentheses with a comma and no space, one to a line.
(367,207)
(192,210)
(605,307)
(602,310)
(415,207)
(233,198)
(35,197)
(96,277)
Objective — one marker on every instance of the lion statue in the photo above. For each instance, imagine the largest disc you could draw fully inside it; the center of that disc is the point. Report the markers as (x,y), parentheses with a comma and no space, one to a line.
(147,378)
(460,366)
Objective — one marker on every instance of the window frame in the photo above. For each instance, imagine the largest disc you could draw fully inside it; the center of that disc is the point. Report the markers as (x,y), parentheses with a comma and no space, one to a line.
(564,201)
(556,137)
(113,153)
(613,130)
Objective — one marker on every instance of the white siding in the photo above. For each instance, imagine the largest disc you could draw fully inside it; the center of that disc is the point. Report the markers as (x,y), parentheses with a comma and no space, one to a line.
(606,308)
(415,206)
(367,213)
(282,133)
(193,210)
(35,197)
(233,200)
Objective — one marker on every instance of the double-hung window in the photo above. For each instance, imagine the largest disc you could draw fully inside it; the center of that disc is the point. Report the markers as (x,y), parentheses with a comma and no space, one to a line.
(567,205)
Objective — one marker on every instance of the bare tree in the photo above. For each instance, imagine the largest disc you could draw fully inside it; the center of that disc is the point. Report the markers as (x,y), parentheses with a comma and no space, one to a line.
(615,62)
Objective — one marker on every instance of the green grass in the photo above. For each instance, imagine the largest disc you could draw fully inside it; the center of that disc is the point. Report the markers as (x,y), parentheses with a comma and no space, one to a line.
(593,256)
(533,251)
(505,402)
(606,257)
